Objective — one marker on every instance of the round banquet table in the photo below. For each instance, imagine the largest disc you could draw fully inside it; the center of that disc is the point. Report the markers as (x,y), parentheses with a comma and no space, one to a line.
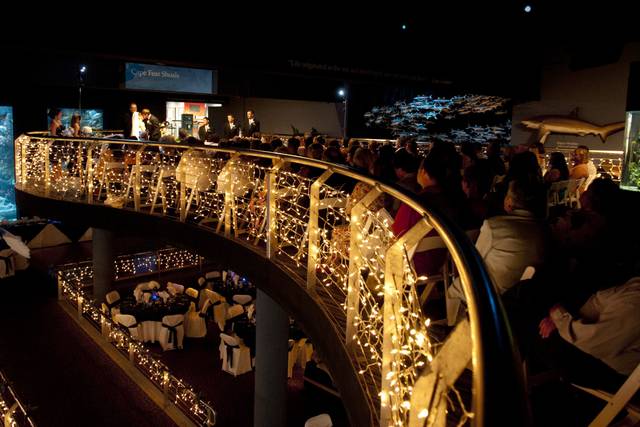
(149,315)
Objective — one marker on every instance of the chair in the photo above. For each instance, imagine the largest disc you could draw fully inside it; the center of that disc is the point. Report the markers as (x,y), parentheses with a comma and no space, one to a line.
(292,357)
(577,187)
(113,300)
(242,299)
(528,273)
(7,263)
(193,296)
(165,172)
(145,288)
(195,322)
(174,289)
(616,402)
(235,311)
(212,275)
(219,304)
(172,332)
(305,351)
(113,172)
(236,357)
(130,323)
(322,420)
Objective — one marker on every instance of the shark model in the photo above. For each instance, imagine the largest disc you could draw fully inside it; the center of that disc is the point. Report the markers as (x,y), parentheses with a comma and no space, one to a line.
(546,125)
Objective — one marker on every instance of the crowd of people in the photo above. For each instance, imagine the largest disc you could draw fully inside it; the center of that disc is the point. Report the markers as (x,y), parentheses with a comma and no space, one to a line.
(584,259)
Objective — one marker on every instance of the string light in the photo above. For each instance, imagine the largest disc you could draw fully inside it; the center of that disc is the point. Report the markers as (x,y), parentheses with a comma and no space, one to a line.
(70,282)
(209,187)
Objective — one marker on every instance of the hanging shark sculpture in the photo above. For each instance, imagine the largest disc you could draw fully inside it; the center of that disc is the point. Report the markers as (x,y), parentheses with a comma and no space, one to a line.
(569,125)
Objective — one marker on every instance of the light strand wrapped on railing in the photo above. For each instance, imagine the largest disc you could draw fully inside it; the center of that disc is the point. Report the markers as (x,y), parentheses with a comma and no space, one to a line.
(12,412)
(381,321)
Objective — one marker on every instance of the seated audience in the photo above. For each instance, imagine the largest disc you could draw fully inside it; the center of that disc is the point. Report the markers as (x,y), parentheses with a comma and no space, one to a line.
(476,183)
(469,154)
(557,169)
(293,144)
(523,168)
(537,148)
(604,334)
(494,156)
(439,190)
(583,167)
(509,243)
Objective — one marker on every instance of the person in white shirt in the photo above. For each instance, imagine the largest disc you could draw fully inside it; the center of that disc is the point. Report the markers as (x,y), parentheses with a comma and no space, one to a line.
(606,328)
(134,126)
(510,243)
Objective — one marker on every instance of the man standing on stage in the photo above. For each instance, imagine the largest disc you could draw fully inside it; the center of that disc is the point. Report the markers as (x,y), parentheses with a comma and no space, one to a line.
(133,124)
(152,124)
(205,131)
(231,130)
(252,127)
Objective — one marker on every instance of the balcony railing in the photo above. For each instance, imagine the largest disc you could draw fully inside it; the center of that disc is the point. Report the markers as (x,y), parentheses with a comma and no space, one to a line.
(12,411)
(296,211)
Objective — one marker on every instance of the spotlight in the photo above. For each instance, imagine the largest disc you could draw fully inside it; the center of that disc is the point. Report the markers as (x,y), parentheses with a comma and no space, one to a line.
(83,69)
(404,26)
(527,8)
(341,92)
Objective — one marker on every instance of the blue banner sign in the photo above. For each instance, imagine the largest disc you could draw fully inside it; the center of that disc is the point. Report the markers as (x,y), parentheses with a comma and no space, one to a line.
(168,79)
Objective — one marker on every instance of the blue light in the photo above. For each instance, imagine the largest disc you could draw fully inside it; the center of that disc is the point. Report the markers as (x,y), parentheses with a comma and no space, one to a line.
(341,92)
(83,68)
(527,8)
(404,26)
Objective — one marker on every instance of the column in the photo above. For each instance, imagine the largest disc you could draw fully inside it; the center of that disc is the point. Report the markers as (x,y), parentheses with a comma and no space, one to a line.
(272,335)
(103,258)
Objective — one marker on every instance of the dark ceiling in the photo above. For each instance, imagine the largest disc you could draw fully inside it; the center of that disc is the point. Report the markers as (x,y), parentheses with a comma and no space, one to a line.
(476,43)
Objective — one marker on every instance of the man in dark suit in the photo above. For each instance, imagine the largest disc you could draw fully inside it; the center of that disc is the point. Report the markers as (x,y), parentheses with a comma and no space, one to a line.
(152,124)
(231,129)
(205,131)
(252,127)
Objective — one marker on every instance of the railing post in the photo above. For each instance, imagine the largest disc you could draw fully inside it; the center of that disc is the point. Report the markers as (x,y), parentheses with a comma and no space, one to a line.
(90,174)
(313,230)
(24,162)
(46,172)
(79,301)
(136,187)
(270,208)
(393,288)
(59,281)
(132,354)
(356,261)
(229,198)
(165,387)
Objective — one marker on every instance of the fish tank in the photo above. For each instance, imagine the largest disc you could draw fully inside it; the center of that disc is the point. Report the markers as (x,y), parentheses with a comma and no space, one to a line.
(631,167)
(7,183)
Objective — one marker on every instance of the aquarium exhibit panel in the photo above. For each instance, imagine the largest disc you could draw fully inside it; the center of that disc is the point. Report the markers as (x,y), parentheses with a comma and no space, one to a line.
(7,195)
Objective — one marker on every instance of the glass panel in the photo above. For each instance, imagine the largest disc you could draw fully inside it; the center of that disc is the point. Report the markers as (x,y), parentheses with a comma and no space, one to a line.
(7,196)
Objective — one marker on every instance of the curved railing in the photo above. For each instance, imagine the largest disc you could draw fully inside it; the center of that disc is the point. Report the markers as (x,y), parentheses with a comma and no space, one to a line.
(12,412)
(415,370)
